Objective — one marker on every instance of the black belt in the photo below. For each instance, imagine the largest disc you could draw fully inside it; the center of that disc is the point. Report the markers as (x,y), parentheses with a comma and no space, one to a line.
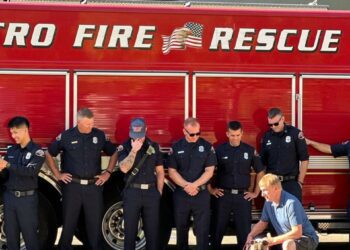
(142,186)
(19,194)
(83,181)
(234,191)
(287,177)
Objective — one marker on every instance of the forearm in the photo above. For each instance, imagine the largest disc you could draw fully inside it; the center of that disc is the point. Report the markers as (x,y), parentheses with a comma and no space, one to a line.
(257,180)
(205,177)
(52,164)
(258,228)
(322,147)
(112,162)
(160,178)
(128,162)
(302,171)
(177,178)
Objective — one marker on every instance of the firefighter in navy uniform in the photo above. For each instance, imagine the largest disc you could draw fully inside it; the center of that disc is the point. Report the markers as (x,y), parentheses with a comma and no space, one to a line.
(22,162)
(283,147)
(230,186)
(80,149)
(142,162)
(337,150)
(191,166)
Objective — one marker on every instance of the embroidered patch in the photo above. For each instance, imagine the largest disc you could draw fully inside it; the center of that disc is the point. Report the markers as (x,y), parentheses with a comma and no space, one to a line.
(212,149)
(58,138)
(40,153)
(301,135)
(120,148)
(170,151)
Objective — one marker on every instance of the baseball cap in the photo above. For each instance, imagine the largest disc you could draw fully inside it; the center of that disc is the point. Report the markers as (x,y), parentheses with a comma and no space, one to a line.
(137,128)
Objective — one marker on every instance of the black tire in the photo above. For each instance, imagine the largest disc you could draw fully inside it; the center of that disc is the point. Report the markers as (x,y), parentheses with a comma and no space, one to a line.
(47,225)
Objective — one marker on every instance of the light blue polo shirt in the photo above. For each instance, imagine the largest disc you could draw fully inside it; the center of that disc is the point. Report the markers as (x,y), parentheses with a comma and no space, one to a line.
(287,214)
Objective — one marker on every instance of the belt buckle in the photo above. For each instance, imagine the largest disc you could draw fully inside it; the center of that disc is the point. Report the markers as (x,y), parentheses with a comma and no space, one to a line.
(280,177)
(144,186)
(84,182)
(18,194)
(234,191)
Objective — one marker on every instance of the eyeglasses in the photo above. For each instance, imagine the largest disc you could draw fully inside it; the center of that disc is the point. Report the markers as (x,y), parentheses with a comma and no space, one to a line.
(276,123)
(193,134)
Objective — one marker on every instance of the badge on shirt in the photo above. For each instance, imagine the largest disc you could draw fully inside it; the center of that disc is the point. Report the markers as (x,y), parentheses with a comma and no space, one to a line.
(28,155)
(245,155)
(95,140)
(268,143)
(288,139)
(201,149)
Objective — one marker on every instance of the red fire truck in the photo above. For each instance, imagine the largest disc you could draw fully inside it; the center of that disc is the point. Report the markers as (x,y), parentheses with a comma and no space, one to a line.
(166,63)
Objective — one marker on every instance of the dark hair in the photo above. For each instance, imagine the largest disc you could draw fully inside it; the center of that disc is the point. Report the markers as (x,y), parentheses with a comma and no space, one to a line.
(274,112)
(234,125)
(18,121)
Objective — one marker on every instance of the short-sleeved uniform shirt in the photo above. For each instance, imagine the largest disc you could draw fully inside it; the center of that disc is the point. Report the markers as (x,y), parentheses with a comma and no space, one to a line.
(146,174)
(81,153)
(25,166)
(235,165)
(342,149)
(281,152)
(191,159)
(287,214)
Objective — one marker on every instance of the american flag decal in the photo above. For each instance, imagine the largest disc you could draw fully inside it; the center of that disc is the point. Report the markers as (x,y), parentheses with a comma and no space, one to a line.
(190,35)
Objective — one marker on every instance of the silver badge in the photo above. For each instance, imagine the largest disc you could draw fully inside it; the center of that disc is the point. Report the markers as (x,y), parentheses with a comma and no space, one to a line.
(201,149)
(245,155)
(28,155)
(288,139)
(94,140)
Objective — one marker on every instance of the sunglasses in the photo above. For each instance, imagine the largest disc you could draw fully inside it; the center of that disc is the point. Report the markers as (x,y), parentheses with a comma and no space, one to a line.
(193,134)
(275,124)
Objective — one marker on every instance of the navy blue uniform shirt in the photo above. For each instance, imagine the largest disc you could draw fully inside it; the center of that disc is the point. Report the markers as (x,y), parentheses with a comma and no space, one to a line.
(342,149)
(146,174)
(281,152)
(25,166)
(81,153)
(234,165)
(191,159)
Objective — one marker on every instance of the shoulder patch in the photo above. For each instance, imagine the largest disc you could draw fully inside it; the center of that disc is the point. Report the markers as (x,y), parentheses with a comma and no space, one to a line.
(58,138)
(212,149)
(40,153)
(345,142)
(120,148)
(301,135)
(107,138)
(256,153)
(170,151)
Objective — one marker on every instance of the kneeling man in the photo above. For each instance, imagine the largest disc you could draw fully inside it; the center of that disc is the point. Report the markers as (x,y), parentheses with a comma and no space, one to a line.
(286,214)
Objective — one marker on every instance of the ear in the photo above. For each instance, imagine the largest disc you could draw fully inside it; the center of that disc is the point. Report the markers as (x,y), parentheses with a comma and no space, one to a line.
(227,134)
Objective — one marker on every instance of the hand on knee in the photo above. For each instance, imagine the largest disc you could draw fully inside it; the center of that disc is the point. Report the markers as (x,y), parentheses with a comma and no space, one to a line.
(289,245)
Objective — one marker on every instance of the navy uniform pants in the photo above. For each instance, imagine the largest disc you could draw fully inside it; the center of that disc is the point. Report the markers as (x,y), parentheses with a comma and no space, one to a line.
(293,188)
(141,203)
(75,197)
(199,207)
(21,215)
(241,209)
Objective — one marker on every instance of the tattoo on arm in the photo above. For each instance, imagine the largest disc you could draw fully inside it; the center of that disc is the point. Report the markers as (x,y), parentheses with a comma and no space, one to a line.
(128,161)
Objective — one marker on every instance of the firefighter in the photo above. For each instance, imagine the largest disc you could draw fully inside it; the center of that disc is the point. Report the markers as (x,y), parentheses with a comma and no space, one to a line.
(236,159)
(80,149)
(142,162)
(283,146)
(22,163)
(191,165)
(341,149)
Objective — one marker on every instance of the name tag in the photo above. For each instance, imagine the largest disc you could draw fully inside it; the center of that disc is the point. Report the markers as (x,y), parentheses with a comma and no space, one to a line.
(180,152)
(74,142)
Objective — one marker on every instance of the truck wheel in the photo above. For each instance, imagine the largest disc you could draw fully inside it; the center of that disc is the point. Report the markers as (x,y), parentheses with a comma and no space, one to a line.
(113,227)
(47,225)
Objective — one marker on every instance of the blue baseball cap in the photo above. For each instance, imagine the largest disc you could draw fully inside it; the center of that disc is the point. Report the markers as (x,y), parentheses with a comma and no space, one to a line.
(137,128)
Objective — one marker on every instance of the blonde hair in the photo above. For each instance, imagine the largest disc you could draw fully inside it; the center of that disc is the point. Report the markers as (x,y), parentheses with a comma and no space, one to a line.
(191,121)
(270,180)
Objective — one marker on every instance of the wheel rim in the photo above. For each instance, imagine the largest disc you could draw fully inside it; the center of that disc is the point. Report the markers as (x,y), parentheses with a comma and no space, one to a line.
(113,228)
(3,243)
